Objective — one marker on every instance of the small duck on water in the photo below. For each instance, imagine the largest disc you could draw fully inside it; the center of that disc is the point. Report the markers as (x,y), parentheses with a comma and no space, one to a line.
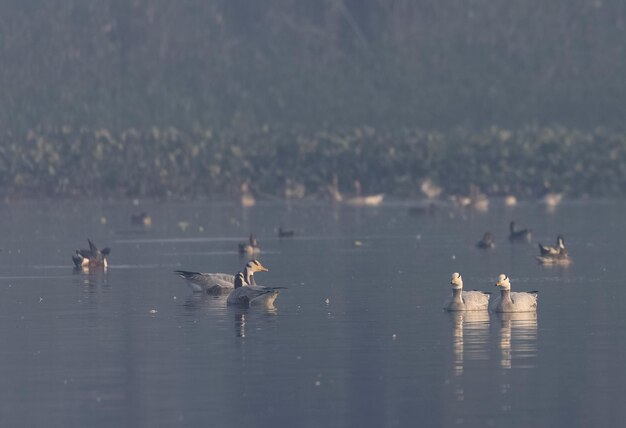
(465,300)
(250,248)
(247,295)
(91,258)
(524,235)
(487,241)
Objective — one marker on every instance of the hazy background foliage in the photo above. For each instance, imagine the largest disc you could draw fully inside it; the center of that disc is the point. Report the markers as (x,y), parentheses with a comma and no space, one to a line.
(319,64)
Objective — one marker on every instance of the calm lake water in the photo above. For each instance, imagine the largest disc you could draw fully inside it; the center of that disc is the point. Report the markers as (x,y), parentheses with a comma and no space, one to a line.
(359,338)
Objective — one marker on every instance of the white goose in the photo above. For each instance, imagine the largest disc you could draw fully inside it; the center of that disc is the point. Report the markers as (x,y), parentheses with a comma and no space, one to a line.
(509,301)
(465,300)
(251,295)
(218,283)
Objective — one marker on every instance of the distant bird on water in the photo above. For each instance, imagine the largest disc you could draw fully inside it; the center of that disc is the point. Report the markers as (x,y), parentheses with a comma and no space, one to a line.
(250,248)
(546,250)
(247,198)
(487,241)
(556,255)
(283,233)
(91,258)
(141,219)
(524,235)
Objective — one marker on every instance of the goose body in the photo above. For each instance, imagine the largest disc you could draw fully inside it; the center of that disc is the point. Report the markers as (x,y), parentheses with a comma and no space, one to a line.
(562,258)
(509,301)
(246,295)
(524,235)
(218,283)
(465,300)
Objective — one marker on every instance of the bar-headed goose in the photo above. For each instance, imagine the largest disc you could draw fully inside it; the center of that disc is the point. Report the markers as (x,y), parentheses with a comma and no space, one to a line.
(509,301)
(247,295)
(218,283)
(465,300)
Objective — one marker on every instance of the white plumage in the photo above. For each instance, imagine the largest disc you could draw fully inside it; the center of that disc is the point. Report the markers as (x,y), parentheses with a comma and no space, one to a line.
(509,301)
(465,300)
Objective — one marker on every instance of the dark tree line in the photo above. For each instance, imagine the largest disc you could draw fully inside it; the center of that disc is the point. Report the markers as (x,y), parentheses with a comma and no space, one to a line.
(318,64)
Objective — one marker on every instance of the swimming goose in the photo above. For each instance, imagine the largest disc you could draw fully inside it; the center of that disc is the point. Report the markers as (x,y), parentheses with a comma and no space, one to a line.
(524,235)
(251,295)
(487,241)
(251,248)
(465,300)
(91,258)
(509,301)
(218,283)
(545,250)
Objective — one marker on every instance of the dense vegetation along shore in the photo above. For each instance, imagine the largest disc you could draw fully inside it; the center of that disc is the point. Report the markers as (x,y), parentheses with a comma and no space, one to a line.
(527,162)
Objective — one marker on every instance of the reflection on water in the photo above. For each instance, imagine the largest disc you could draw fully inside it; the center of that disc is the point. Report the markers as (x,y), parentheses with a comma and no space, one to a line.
(518,338)
(203,302)
(255,316)
(470,337)
(216,305)
(92,278)
(240,324)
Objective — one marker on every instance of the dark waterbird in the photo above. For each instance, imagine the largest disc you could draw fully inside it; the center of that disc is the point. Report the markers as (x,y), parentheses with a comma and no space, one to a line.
(283,233)
(524,235)
(92,257)
(487,241)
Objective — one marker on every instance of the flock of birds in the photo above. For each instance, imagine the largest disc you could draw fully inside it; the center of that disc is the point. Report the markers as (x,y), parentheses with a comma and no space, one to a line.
(243,290)
(548,255)
(507,301)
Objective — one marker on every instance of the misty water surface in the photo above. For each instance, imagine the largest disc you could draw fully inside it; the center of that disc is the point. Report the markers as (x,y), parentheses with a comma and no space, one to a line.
(358,339)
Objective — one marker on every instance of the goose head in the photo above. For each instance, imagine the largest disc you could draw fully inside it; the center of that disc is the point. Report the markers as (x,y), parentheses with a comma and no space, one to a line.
(488,238)
(560,242)
(503,282)
(255,266)
(456,281)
